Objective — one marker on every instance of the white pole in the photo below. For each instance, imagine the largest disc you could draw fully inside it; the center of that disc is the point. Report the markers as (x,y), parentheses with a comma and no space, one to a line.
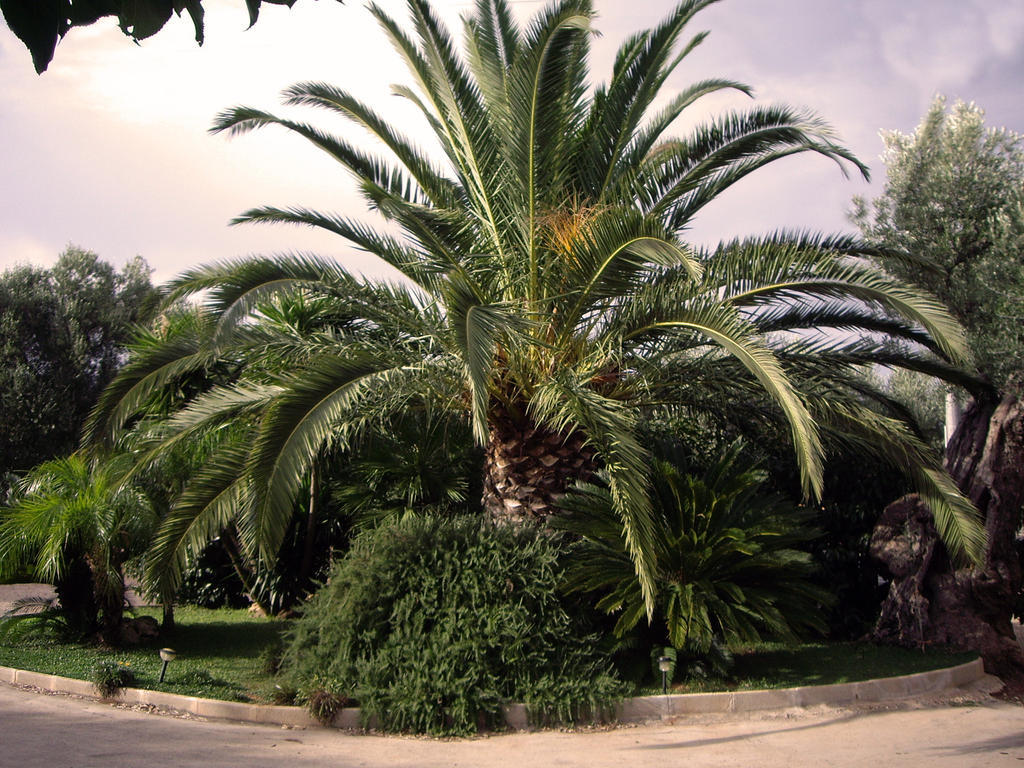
(954,414)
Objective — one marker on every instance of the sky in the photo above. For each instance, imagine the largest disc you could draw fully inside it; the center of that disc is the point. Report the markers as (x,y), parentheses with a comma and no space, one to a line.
(109,149)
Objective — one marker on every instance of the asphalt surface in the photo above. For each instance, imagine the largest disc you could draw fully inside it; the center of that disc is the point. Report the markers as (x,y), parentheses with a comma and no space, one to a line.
(64,732)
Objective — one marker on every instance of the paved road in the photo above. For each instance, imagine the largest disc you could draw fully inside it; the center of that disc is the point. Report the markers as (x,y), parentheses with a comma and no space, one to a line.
(51,731)
(10,593)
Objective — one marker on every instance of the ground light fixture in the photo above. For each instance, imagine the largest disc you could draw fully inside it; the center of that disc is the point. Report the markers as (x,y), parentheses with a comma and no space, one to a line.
(665,665)
(167,655)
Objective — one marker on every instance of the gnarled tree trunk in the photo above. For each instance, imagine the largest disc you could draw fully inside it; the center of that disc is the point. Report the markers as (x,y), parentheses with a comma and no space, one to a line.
(526,468)
(929,600)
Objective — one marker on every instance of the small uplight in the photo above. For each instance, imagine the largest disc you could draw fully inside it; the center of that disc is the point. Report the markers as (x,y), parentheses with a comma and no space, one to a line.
(665,665)
(167,655)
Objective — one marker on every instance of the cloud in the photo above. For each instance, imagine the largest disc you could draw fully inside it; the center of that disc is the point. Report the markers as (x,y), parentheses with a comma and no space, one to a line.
(17,249)
(941,45)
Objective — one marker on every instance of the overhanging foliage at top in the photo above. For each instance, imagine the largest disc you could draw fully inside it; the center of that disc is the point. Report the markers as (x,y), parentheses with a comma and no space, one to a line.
(41,24)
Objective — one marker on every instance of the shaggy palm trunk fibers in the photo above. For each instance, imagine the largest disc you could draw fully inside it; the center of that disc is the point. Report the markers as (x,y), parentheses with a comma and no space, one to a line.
(526,469)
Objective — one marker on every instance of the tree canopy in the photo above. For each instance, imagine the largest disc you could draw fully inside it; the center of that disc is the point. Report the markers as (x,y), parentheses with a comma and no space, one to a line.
(62,336)
(951,220)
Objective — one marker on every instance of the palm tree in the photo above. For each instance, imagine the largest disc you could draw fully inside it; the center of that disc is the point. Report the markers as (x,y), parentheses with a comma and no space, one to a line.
(547,290)
(75,523)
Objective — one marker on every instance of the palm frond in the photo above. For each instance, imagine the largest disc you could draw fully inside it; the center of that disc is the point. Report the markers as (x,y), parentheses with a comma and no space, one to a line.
(375,175)
(956,519)
(298,424)
(438,190)
(157,362)
(214,498)
(567,405)
(715,323)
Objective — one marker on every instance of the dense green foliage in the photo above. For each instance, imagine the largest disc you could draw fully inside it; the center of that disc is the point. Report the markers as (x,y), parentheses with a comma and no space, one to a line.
(421,464)
(62,336)
(925,398)
(952,215)
(843,563)
(432,624)
(729,568)
(211,581)
(859,484)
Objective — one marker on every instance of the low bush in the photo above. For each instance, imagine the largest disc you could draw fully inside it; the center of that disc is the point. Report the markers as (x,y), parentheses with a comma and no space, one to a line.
(433,624)
(111,676)
(36,620)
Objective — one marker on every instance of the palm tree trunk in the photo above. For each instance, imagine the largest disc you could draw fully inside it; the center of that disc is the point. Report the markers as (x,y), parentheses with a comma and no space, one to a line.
(308,544)
(229,540)
(109,586)
(167,624)
(78,597)
(526,469)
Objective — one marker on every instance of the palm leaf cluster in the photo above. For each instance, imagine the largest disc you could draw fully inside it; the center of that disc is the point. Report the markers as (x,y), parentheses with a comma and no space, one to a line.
(412,470)
(548,295)
(75,523)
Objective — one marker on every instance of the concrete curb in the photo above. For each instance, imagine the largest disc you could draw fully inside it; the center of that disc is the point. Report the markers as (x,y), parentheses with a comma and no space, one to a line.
(881,689)
(638,709)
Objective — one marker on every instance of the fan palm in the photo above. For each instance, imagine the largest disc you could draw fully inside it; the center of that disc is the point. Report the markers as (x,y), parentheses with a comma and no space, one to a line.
(416,469)
(547,291)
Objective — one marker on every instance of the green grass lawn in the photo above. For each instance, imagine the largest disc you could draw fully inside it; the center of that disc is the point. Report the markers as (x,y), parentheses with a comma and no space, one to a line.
(776,665)
(219,656)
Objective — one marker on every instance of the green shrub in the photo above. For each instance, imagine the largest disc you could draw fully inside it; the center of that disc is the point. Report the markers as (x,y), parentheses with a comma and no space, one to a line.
(433,624)
(111,676)
(36,621)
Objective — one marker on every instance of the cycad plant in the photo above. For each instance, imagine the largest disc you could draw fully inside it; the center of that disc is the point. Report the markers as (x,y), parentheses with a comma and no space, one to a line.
(727,557)
(548,293)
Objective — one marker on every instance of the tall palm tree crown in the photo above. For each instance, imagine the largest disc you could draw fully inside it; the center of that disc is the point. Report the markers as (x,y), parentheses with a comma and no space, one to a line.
(548,292)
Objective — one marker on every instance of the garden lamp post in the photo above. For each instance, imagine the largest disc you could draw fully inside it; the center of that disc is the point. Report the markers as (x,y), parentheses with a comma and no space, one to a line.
(167,655)
(665,665)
